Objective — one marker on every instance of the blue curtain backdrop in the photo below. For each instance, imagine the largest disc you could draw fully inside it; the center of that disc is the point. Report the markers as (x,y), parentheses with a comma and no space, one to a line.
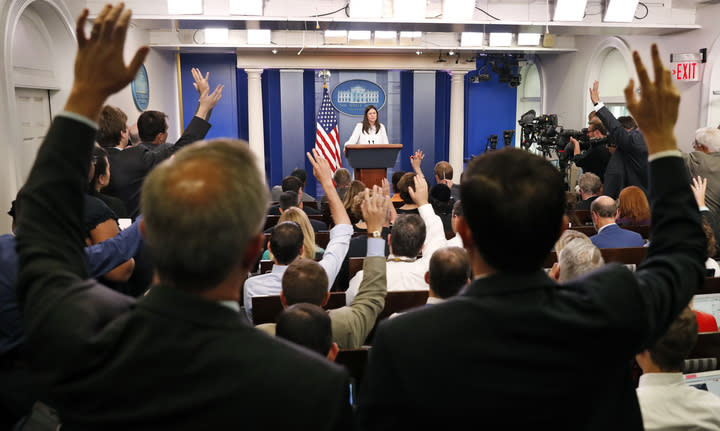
(222,69)
(490,108)
(272,126)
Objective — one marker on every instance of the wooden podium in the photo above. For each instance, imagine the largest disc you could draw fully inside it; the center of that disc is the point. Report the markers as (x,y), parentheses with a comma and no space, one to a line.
(371,161)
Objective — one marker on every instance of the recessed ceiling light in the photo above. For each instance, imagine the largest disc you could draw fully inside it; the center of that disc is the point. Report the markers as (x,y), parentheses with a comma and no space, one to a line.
(471,38)
(620,11)
(185,7)
(258,37)
(500,39)
(216,35)
(528,39)
(569,10)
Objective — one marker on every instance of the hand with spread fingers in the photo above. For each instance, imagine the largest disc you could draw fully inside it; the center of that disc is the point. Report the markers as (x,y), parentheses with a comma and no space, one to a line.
(99,66)
(698,186)
(416,160)
(201,83)
(420,194)
(375,209)
(594,93)
(656,111)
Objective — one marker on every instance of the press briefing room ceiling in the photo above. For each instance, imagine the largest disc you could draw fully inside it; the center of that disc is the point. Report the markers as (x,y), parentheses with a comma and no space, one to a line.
(424,27)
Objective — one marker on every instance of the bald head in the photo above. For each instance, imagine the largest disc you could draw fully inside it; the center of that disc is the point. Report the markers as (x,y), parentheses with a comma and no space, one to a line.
(202,209)
(604,211)
(449,271)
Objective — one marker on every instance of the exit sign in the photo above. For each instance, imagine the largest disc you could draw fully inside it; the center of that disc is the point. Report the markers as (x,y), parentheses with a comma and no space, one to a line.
(686,71)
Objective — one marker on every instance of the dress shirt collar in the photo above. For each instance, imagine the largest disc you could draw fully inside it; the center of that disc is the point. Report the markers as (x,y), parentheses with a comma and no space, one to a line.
(661,379)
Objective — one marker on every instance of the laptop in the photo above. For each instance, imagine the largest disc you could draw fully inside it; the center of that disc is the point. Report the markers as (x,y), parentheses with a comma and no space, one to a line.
(706,381)
(709,303)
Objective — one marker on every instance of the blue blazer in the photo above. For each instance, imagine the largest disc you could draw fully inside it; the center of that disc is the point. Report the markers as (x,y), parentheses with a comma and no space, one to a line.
(614,236)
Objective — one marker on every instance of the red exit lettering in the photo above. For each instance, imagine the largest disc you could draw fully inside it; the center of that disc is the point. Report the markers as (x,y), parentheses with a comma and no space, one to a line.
(685,71)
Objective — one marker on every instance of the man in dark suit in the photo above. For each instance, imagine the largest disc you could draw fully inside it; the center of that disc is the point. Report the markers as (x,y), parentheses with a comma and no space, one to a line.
(130,166)
(609,235)
(181,357)
(294,184)
(516,350)
(628,165)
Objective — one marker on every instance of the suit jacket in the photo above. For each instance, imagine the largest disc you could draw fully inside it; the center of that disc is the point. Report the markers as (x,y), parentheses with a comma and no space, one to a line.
(585,203)
(129,167)
(594,160)
(169,361)
(352,323)
(518,351)
(613,236)
(628,165)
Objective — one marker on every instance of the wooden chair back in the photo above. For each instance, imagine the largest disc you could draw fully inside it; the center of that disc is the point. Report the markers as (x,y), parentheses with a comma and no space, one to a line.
(265,309)
(627,255)
(584,217)
(355,361)
(711,285)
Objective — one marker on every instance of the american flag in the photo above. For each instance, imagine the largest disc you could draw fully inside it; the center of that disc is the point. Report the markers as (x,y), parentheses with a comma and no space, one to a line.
(326,139)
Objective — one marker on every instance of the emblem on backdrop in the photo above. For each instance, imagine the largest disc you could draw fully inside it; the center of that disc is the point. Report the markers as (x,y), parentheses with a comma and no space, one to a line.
(351,97)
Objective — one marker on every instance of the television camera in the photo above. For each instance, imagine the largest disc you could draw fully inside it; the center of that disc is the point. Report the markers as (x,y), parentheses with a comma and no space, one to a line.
(543,130)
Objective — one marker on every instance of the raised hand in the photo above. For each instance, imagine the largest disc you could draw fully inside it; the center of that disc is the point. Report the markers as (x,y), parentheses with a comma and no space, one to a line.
(201,83)
(420,194)
(656,111)
(321,168)
(594,93)
(375,209)
(207,101)
(698,186)
(416,160)
(99,66)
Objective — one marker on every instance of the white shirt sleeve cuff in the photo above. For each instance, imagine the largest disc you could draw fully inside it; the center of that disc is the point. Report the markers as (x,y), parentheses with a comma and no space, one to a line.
(375,247)
(78,117)
(598,106)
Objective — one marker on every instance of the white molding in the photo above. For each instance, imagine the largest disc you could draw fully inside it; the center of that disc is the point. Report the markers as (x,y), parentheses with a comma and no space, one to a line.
(599,52)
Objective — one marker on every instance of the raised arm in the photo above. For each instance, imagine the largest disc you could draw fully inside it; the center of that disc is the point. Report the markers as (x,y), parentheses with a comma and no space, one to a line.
(674,268)
(323,173)
(434,230)
(50,239)
(359,317)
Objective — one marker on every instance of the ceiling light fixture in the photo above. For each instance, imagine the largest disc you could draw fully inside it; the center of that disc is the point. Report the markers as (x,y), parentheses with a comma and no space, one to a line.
(500,39)
(458,9)
(409,9)
(620,11)
(528,39)
(258,37)
(216,35)
(274,51)
(569,10)
(185,7)
(365,8)
(471,38)
(246,7)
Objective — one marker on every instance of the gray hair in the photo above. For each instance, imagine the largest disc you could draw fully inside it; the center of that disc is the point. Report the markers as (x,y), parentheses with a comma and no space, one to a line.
(577,258)
(709,137)
(567,236)
(590,183)
(202,209)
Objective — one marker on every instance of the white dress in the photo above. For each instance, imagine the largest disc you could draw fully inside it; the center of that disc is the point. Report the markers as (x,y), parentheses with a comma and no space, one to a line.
(372,137)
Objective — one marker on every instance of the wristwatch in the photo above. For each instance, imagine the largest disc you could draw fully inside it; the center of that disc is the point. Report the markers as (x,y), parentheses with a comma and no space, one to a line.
(376,234)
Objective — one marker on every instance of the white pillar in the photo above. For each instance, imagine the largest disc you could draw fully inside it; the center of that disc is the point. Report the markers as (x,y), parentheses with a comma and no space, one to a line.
(255,117)
(457,123)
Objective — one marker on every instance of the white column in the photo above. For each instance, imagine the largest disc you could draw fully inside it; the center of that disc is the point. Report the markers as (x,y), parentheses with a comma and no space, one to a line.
(457,123)
(255,116)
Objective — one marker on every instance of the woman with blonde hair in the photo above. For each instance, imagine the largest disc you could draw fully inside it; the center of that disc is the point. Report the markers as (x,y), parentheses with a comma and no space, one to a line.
(633,207)
(355,188)
(298,216)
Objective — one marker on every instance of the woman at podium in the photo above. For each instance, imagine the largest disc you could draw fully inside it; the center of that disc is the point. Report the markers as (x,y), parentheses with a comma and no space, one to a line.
(370,131)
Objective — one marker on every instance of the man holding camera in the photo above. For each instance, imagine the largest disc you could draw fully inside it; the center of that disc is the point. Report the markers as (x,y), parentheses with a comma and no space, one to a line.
(596,158)
(628,165)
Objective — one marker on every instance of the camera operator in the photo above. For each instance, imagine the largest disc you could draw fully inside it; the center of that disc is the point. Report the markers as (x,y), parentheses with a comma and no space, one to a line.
(596,158)
(628,165)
